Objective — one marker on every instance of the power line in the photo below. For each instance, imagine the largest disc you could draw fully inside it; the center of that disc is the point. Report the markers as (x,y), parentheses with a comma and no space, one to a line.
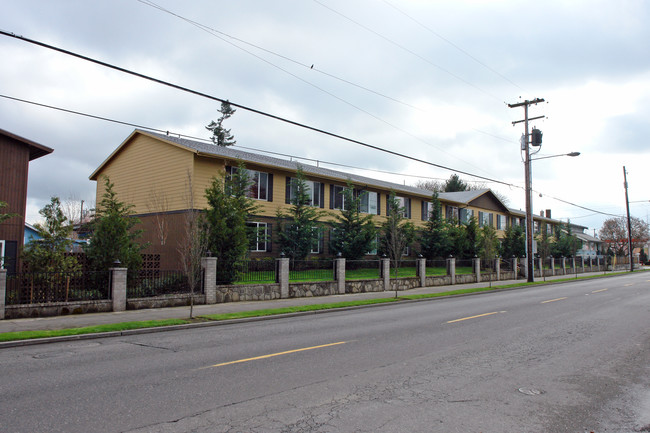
(408,50)
(217,34)
(438,35)
(243,107)
(167,132)
(265,114)
(163,131)
(312,67)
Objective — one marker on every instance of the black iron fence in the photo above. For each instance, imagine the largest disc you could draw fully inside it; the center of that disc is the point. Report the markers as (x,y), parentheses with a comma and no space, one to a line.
(48,287)
(362,269)
(146,283)
(311,270)
(247,271)
(436,267)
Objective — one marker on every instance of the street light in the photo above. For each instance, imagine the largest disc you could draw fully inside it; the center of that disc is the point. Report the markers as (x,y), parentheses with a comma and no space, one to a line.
(529,201)
(554,156)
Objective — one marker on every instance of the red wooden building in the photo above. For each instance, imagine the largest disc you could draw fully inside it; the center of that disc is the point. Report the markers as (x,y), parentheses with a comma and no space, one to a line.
(15,154)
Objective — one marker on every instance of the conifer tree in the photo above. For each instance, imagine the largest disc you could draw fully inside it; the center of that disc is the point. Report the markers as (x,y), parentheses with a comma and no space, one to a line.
(114,236)
(298,228)
(48,254)
(353,234)
(220,135)
(226,217)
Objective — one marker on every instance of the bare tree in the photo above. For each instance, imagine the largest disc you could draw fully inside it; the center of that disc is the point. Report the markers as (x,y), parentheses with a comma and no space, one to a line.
(158,204)
(193,245)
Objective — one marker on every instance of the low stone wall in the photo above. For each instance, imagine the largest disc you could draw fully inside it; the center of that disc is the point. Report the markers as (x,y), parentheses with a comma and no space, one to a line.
(253,292)
(57,309)
(437,281)
(404,283)
(364,286)
(307,290)
(163,301)
(465,278)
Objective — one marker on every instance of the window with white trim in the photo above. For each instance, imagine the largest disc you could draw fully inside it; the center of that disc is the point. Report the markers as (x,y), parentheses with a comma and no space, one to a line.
(337,200)
(314,191)
(451,213)
(317,246)
(260,184)
(501,222)
(369,202)
(260,239)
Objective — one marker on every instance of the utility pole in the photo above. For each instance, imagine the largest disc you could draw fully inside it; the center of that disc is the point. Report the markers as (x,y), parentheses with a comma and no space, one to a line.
(528,179)
(629,222)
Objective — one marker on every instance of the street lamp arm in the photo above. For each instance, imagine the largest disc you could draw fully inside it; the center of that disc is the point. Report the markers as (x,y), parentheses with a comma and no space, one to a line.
(555,156)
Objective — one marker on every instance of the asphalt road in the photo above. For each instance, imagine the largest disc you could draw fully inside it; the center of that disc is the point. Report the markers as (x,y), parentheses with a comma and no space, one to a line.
(573,357)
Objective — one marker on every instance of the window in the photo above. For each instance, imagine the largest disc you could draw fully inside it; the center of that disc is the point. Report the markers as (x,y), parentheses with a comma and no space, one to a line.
(501,222)
(337,198)
(451,213)
(261,236)
(369,202)
(315,191)
(2,253)
(536,226)
(465,215)
(485,219)
(260,184)
(317,247)
(427,208)
(373,248)
(549,229)
(405,204)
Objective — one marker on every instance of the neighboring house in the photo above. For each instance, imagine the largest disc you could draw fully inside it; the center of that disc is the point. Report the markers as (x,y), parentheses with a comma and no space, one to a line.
(31,234)
(15,154)
(153,172)
(591,246)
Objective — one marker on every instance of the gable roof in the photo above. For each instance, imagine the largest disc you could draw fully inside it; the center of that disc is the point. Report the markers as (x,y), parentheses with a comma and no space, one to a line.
(36,150)
(211,150)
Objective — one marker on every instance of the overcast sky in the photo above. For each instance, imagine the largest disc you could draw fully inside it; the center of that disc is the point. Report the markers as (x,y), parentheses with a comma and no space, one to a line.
(430,79)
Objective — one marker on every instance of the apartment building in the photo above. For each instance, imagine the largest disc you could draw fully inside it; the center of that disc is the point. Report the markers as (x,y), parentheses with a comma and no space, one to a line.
(163,176)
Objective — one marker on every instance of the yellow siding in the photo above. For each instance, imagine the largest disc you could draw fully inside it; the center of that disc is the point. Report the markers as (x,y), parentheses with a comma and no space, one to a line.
(146,168)
(204,170)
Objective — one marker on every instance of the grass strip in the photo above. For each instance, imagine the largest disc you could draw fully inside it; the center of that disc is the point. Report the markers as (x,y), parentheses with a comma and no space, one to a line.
(27,335)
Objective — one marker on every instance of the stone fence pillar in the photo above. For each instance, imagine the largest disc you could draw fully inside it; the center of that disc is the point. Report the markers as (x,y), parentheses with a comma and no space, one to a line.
(118,288)
(422,271)
(563,265)
(523,262)
(552,265)
(497,267)
(540,266)
(476,264)
(515,267)
(339,268)
(582,264)
(209,266)
(385,273)
(451,269)
(282,276)
(3,292)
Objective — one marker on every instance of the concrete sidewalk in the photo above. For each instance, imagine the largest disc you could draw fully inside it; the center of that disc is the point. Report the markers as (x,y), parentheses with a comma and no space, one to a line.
(82,320)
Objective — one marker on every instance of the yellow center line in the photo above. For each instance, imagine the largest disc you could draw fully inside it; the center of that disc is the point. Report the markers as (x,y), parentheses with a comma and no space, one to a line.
(553,300)
(597,291)
(274,354)
(474,317)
